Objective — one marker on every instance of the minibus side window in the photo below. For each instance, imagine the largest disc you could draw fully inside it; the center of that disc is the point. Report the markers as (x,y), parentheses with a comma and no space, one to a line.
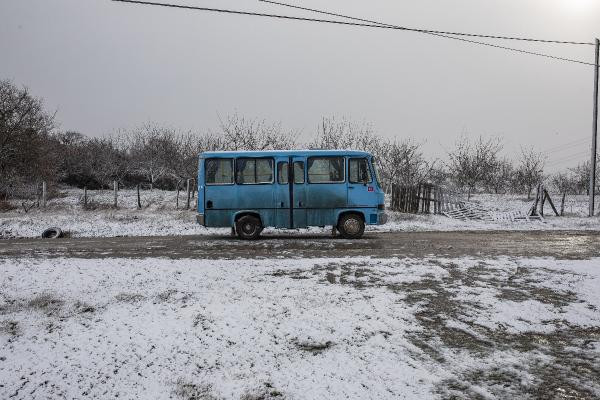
(326,169)
(359,171)
(218,171)
(282,172)
(250,171)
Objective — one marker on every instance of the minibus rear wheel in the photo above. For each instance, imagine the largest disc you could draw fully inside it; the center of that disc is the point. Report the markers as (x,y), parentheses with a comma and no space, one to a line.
(351,226)
(248,227)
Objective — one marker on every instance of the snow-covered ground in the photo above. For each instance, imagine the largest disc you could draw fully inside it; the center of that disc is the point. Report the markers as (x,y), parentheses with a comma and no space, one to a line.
(299,329)
(159,216)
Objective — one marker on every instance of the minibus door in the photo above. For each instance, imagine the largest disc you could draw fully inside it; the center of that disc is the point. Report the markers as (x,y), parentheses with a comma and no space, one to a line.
(290,193)
(361,189)
(298,192)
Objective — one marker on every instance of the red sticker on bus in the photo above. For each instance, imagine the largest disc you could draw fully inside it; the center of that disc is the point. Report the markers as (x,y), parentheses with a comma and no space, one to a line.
(370,189)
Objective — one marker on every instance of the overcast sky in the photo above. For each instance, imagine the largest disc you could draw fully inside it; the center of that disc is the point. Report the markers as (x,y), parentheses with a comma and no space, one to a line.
(106,66)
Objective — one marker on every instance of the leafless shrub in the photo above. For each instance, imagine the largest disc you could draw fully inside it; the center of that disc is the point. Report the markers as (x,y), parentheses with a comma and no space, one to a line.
(581,178)
(563,182)
(471,164)
(530,171)
(402,162)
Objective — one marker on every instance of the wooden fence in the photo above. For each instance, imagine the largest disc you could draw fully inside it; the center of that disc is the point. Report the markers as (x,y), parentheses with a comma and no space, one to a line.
(416,199)
(423,198)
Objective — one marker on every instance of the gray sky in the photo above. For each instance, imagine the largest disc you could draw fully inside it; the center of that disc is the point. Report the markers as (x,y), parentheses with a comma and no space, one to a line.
(106,66)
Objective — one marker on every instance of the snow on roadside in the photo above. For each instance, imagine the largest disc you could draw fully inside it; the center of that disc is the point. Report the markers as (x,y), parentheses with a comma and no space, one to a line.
(159,217)
(301,329)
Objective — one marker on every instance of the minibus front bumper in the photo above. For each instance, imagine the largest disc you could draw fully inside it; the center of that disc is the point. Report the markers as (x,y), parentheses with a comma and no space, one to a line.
(200,219)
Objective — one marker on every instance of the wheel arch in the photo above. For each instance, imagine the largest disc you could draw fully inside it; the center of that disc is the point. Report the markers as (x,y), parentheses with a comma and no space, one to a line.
(341,213)
(243,213)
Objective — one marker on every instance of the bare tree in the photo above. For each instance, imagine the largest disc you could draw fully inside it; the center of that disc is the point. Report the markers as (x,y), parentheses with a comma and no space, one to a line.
(240,133)
(398,161)
(191,145)
(108,160)
(345,134)
(26,144)
(402,162)
(530,171)
(501,177)
(563,182)
(581,178)
(154,152)
(471,164)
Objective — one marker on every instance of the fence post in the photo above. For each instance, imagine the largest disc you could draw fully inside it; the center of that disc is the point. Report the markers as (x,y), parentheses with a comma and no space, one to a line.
(535,204)
(138,197)
(85,197)
(177,199)
(44,194)
(543,196)
(187,206)
(115,189)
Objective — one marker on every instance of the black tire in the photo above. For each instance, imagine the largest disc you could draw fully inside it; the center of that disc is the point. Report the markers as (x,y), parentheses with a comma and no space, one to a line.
(248,227)
(52,233)
(351,226)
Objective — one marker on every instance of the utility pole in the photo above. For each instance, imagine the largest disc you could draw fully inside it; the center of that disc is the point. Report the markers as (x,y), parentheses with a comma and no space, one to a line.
(595,130)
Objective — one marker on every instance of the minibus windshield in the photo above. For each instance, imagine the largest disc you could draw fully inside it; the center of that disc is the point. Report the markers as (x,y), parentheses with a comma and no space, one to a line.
(375,164)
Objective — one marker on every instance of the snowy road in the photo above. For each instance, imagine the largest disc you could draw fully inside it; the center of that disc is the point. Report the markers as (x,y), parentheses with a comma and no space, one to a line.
(333,328)
(395,315)
(559,244)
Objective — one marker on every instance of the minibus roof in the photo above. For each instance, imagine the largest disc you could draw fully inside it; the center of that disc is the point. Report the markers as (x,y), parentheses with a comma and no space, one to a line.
(284,153)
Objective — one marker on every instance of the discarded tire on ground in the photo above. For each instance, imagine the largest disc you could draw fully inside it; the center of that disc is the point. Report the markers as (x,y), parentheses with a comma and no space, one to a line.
(52,233)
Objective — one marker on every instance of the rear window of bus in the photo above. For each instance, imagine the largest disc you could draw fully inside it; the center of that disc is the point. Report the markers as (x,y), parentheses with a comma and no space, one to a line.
(218,171)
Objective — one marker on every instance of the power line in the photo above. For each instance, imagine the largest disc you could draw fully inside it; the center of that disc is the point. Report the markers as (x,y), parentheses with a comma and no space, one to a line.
(434,31)
(384,25)
(563,160)
(373,25)
(566,146)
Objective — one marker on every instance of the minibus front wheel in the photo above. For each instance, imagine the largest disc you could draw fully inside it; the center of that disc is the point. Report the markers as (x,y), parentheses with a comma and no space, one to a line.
(248,227)
(351,226)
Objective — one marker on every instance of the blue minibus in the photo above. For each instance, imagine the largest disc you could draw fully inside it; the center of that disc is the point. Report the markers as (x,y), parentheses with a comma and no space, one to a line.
(251,190)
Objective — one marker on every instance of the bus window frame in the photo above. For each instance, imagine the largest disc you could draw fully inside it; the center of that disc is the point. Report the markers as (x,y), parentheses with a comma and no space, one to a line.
(231,159)
(344,158)
(293,165)
(368,164)
(273,170)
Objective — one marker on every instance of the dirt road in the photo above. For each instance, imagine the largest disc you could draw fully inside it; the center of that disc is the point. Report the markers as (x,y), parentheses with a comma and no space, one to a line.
(558,244)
